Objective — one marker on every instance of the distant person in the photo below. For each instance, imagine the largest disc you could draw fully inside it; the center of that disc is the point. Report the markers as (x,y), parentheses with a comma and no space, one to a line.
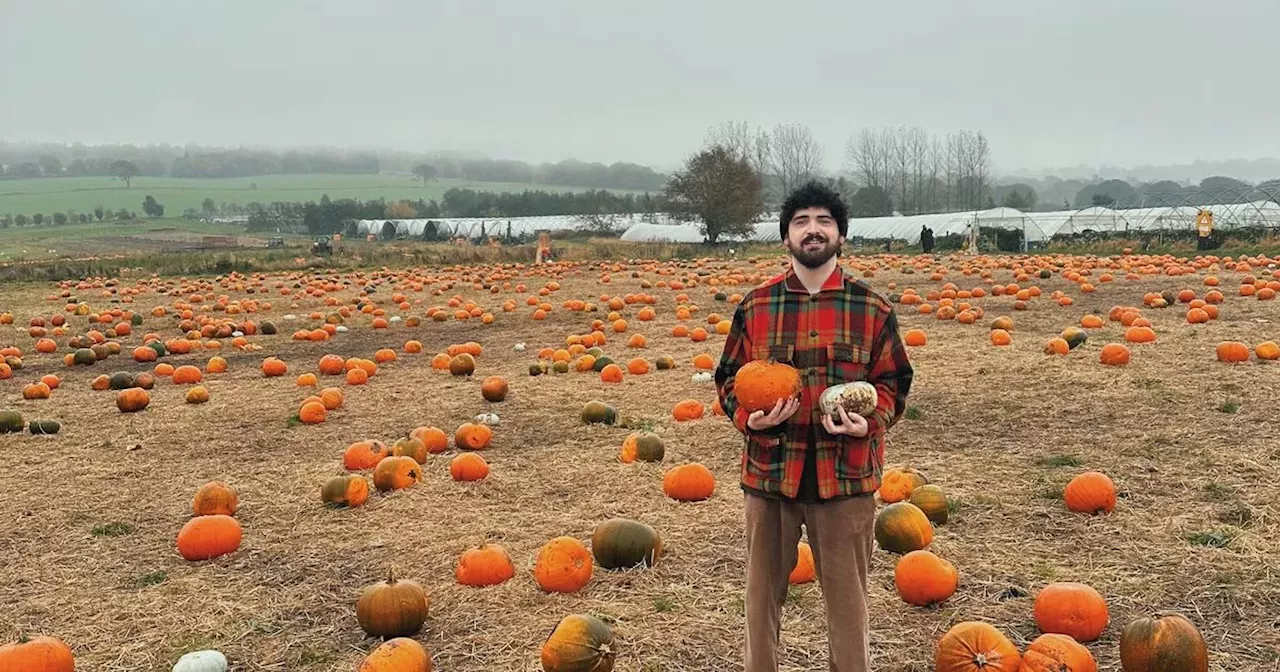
(926,239)
(800,466)
(888,246)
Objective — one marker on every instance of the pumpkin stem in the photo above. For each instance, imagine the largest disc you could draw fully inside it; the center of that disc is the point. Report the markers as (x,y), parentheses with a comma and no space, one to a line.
(391,575)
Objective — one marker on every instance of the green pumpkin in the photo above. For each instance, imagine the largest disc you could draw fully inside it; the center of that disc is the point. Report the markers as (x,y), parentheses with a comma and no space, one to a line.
(44,427)
(596,412)
(10,421)
(665,362)
(594,351)
(267,328)
(902,527)
(620,543)
(721,296)
(136,320)
(1045,274)
(1074,336)
(158,347)
(84,356)
(560,367)
(649,447)
(537,368)
(121,380)
(933,501)
(14,362)
(601,362)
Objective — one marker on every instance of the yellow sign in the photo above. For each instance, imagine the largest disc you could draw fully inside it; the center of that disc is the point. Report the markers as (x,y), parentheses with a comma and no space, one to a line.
(1204,223)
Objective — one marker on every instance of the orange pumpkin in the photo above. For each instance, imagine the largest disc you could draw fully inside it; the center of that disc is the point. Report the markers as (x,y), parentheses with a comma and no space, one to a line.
(40,654)
(364,455)
(488,565)
(1267,350)
(1000,337)
(1232,352)
(1114,354)
(760,384)
(399,654)
(974,646)
(563,565)
(472,436)
(468,467)
(312,413)
(272,367)
(611,373)
(1057,653)
(133,399)
(433,438)
(923,578)
(494,389)
(804,571)
(1090,492)
(215,498)
(187,375)
(691,482)
(689,409)
(208,537)
(1072,609)
(396,473)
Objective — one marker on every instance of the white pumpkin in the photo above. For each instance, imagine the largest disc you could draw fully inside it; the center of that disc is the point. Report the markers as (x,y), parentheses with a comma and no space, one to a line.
(859,398)
(519,347)
(201,661)
(490,419)
(342,329)
(290,317)
(394,318)
(702,377)
(237,334)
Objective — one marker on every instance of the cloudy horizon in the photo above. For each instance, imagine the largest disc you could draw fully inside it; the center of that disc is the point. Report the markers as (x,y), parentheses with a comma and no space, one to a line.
(1089,84)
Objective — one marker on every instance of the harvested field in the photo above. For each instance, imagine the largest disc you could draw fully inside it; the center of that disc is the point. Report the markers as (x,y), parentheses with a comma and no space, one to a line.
(91,514)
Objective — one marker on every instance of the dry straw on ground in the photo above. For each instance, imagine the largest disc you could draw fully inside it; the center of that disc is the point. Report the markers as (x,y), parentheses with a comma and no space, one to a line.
(90,515)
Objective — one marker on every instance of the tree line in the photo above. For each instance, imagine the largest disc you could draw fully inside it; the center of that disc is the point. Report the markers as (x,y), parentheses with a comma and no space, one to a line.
(330,216)
(35,160)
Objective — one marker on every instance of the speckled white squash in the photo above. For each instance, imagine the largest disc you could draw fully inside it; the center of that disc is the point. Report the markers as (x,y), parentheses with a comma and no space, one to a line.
(859,398)
(201,661)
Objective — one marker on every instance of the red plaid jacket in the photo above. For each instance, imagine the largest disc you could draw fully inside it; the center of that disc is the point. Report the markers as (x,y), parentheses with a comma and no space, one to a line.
(843,333)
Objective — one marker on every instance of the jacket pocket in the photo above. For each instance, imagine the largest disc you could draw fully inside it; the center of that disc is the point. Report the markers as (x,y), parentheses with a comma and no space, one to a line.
(761,456)
(847,363)
(781,353)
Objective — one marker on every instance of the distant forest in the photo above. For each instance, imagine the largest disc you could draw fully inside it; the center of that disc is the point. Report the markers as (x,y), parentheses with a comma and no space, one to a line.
(34,160)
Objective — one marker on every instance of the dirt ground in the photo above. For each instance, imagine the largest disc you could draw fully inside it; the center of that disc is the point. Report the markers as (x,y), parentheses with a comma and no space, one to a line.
(90,517)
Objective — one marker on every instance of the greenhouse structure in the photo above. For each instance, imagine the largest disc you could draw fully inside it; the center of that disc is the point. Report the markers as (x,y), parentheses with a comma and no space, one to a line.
(1036,228)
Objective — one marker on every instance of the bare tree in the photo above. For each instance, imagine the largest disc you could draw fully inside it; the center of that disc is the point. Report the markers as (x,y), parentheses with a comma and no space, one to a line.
(867,157)
(794,156)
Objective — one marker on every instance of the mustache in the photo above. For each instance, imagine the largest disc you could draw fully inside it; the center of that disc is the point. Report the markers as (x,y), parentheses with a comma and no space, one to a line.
(816,237)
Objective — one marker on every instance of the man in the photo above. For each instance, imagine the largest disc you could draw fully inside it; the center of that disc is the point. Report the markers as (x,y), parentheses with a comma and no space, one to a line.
(800,466)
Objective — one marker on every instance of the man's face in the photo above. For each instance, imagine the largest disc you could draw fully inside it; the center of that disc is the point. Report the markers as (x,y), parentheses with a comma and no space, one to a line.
(813,237)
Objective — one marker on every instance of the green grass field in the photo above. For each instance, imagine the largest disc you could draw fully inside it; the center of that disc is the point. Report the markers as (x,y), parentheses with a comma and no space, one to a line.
(141,236)
(83,194)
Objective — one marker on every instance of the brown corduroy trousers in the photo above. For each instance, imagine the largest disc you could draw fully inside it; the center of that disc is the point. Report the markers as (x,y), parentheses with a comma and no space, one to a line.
(841,535)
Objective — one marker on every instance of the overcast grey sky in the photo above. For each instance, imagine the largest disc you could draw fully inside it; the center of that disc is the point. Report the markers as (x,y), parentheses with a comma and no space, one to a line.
(1057,83)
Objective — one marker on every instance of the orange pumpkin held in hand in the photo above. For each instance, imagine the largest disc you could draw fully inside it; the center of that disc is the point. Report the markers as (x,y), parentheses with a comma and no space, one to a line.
(760,384)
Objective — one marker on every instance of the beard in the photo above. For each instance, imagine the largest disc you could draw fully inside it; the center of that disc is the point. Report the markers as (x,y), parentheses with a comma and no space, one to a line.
(813,256)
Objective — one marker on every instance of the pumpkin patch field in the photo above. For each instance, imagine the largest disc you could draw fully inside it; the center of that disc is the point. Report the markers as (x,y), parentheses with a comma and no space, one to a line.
(524,467)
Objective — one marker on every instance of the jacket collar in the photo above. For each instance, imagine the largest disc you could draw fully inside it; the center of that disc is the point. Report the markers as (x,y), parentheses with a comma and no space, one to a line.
(833,281)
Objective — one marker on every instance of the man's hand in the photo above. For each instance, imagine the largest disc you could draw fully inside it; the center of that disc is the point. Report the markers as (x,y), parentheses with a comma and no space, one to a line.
(850,424)
(782,410)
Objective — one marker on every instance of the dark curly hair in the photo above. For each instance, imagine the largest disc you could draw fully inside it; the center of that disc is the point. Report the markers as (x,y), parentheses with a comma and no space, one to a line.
(814,194)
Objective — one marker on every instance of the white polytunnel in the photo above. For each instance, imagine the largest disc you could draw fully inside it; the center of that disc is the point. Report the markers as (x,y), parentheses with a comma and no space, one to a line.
(1036,227)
